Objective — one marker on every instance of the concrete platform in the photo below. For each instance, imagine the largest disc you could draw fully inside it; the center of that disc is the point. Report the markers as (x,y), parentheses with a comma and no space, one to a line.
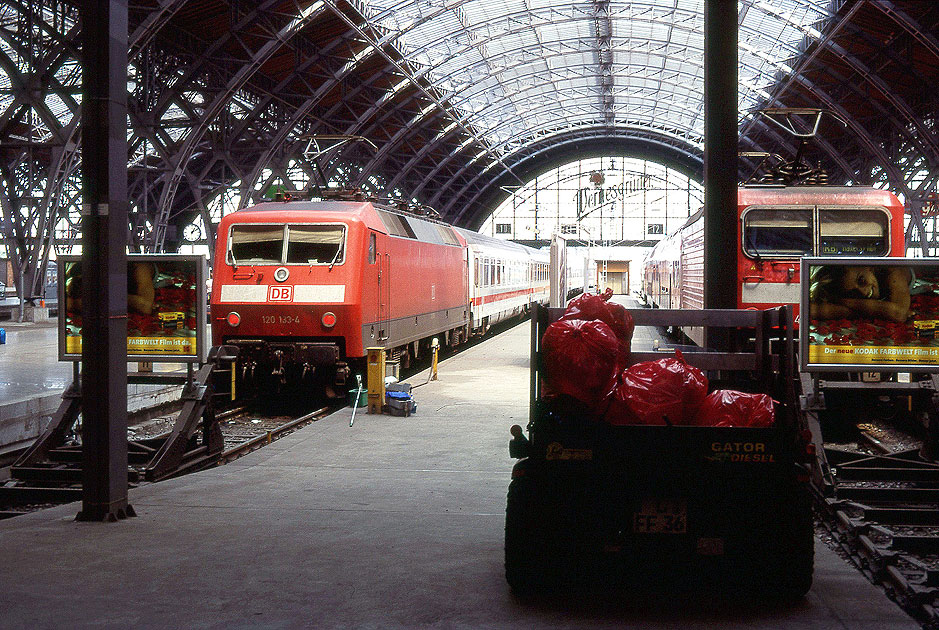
(392,523)
(32,380)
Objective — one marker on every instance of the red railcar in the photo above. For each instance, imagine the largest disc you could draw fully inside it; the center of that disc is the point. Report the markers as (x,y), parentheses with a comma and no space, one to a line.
(776,226)
(303,288)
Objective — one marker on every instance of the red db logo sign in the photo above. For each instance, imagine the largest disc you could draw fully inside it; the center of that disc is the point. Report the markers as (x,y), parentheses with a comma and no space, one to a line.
(280,294)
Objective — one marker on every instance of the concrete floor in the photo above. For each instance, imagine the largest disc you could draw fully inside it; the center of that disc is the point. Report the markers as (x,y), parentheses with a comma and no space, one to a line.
(29,365)
(392,523)
(32,380)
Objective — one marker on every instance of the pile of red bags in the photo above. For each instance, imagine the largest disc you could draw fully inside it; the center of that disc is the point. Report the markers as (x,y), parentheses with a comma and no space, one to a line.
(585,354)
(667,391)
(730,408)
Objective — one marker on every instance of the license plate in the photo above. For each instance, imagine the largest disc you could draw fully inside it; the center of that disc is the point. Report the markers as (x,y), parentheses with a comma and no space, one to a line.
(661,516)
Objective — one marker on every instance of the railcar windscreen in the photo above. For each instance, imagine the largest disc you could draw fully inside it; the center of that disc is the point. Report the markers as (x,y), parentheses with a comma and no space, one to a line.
(256,244)
(315,244)
(778,232)
(853,232)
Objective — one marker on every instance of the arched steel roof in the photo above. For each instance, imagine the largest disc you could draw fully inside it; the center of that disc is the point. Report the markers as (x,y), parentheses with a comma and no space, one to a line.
(461,98)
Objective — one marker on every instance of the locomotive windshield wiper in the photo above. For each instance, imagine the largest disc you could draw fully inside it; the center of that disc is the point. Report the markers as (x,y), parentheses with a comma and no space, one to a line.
(342,243)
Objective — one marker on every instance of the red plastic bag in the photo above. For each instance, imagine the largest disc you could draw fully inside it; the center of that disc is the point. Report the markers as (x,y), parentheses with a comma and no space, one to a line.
(597,307)
(667,391)
(730,408)
(581,359)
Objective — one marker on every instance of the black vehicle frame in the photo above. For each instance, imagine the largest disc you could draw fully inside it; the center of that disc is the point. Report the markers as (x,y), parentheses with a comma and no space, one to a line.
(590,503)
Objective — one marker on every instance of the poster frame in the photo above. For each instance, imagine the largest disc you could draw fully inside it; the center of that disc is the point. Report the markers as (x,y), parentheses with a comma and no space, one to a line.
(201,308)
(806,264)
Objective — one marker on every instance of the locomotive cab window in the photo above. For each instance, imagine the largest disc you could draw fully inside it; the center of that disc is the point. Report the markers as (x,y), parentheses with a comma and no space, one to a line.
(853,232)
(372,249)
(315,244)
(256,244)
(777,232)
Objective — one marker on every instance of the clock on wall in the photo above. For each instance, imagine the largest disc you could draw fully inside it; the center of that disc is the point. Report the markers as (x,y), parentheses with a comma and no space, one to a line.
(192,233)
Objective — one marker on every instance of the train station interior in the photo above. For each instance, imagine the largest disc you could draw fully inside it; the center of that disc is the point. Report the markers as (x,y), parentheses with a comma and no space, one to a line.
(469,314)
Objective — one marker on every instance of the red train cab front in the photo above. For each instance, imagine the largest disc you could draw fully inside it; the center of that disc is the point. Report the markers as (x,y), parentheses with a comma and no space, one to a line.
(288,288)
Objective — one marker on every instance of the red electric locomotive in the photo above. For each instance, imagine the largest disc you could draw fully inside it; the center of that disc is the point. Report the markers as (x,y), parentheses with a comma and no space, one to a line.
(303,288)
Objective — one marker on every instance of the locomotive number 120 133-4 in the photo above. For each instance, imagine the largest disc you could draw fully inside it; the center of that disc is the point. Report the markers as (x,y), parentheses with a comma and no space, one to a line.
(280,319)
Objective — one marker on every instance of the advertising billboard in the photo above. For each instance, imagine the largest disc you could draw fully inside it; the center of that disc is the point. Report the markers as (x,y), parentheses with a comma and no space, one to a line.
(166,308)
(867,314)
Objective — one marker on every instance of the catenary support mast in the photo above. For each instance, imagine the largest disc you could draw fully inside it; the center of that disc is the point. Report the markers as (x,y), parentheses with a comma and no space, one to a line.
(104,260)
(720,153)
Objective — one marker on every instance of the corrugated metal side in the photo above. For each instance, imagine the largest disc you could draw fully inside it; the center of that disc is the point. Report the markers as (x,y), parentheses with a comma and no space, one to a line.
(692,265)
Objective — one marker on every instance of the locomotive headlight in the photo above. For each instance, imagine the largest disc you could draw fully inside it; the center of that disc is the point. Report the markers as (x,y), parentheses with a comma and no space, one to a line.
(281,274)
(233,319)
(329,319)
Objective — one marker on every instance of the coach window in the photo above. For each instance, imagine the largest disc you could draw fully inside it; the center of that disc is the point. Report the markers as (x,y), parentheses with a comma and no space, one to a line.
(315,244)
(777,232)
(853,232)
(372,248)
(256,244)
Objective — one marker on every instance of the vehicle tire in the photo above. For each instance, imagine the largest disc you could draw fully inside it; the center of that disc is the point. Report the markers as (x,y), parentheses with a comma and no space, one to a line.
(528,567)
(790,561)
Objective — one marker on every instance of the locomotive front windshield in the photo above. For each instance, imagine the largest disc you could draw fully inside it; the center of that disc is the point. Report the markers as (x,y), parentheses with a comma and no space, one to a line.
(853,232)
(256,244)
(287,244)
(778,232)
(794,232)
(315,244)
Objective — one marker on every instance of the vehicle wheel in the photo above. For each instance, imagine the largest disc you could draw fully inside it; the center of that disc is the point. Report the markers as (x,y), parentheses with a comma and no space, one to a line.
(528,568)
(790,561)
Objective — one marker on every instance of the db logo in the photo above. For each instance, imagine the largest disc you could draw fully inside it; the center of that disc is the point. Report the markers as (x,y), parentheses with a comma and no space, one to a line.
(280,294)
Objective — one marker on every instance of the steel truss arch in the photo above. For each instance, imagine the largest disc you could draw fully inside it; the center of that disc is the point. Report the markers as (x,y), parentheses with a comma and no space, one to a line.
(635,142)
(215,109)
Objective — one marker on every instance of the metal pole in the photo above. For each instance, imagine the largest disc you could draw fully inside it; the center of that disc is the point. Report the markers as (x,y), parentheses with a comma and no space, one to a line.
(720,153)
(104,261)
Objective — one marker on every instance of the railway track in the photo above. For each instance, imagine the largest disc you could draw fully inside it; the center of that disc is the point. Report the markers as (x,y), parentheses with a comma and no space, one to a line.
(262,433)
(243,431)
(883,514)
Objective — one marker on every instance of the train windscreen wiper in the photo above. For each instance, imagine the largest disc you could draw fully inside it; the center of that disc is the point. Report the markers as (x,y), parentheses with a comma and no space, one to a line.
(342,244)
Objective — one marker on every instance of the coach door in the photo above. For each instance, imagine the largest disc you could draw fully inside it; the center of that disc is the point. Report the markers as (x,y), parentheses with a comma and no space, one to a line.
(384,295)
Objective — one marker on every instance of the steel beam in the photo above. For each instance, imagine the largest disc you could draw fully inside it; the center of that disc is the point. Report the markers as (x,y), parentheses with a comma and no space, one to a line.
(720,152)
(104,262)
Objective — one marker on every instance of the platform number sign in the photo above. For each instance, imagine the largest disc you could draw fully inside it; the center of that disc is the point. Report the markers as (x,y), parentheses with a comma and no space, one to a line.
(656,228)
(280,294)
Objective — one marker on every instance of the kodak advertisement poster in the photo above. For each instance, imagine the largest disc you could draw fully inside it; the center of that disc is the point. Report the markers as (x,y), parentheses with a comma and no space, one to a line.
(166,299)
(872,314)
